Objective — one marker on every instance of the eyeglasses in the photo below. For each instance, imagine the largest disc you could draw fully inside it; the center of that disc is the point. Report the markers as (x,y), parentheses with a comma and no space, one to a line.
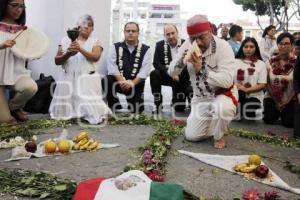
(284,44)
(17,5)
(133,31)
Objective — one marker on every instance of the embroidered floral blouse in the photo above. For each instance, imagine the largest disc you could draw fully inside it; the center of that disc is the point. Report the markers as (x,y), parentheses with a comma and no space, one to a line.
(280,81)
(250,73)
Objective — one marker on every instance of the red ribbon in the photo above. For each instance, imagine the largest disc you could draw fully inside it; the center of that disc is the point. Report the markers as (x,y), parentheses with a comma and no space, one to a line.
(198,28)
(227,92)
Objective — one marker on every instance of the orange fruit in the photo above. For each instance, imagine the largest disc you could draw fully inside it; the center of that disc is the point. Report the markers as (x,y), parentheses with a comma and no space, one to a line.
(50,147)
(64,146)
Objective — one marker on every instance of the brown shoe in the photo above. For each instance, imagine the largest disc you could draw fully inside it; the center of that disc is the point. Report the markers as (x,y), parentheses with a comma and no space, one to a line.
(19,115)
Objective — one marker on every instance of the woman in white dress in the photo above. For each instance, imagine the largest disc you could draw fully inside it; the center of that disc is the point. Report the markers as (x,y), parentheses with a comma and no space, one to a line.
(250,78)
(13,74)
(267,42)
(78,91)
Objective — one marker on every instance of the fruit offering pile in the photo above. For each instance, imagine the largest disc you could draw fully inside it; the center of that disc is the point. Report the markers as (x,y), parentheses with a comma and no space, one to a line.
(62,146)
(83,142)
(253,166)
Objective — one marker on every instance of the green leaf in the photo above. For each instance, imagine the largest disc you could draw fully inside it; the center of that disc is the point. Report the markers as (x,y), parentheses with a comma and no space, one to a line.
(44,195)
(28,192)
(27,180)
(62,187)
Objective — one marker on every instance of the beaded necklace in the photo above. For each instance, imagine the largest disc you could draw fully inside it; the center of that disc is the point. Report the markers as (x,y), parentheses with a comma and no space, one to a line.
(166,58)
(136,60)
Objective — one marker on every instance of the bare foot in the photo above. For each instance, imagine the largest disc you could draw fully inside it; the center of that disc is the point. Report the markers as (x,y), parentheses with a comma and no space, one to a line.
(219,144)
(11,123)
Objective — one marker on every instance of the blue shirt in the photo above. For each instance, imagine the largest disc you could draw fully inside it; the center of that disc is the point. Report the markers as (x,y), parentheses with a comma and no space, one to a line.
(235,46)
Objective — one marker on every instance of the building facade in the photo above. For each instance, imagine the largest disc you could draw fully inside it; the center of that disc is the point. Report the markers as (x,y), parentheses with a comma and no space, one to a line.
(151,18)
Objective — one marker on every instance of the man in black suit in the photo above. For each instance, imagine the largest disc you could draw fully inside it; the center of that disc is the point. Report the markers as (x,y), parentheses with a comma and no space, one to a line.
(165,50)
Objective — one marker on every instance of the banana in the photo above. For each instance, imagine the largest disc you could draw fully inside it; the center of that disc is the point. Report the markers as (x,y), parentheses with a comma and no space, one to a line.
(81,136)
(238,167)
(86,145)
(76,146)
(248,169)
(82,142)
(93,146)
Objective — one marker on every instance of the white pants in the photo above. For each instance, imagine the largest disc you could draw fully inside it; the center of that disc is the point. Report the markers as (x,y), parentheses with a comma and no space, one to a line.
(210,118)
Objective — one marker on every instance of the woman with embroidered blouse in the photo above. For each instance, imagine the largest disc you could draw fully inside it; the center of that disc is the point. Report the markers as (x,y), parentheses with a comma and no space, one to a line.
(251,78)
(13,74)
(279,101)
(78,92)
(267,42)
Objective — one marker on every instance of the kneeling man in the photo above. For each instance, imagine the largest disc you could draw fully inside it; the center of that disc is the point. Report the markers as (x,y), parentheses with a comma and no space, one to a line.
(210,63)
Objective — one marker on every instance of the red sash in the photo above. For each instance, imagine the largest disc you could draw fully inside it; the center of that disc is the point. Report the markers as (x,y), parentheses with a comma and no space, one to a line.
(227,92)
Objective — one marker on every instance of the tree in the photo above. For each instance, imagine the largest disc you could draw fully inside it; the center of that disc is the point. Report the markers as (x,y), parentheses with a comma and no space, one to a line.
(279,11)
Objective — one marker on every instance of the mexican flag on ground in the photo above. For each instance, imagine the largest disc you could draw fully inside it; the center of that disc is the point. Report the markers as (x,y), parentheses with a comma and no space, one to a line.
(132,185)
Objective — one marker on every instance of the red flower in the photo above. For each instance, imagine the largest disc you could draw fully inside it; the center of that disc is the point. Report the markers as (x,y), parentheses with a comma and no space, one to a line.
(284,82)
(285,136)
(247,85)
(251,71)
(155,175)
(240,75)
(277,70)
(177,122)
(277,92)
(253,59)
(271,196)
(251,194)
(147,157)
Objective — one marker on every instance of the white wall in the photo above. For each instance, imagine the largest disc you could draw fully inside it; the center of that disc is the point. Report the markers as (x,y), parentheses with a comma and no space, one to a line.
(56,16)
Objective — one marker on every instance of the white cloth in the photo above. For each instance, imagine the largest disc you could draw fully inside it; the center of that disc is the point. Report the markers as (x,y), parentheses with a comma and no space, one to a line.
(266,44)
(210,115)
(114,70)
(259,76)
(78,93)
(228,163)
(11,67)
(139,182)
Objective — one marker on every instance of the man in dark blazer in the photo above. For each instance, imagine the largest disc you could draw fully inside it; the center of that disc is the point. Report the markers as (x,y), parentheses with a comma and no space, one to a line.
(165,50)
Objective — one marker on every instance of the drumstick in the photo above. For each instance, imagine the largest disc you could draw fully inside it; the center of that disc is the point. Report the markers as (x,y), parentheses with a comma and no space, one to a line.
(23,29)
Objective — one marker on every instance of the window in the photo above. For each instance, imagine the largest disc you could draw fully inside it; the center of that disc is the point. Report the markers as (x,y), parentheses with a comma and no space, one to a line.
(247,34)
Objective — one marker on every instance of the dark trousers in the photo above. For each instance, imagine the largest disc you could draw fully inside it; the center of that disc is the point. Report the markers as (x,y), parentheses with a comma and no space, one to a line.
(181,90)
(134,97)
(297,120)
(248,106)
(271,113)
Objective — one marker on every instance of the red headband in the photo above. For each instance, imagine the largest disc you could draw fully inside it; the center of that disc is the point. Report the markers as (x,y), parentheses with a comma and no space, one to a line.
(198,28)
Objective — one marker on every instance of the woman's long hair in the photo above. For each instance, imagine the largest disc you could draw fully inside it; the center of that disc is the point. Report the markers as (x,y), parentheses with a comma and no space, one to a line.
(267,30)
(241,55)
(3,9)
